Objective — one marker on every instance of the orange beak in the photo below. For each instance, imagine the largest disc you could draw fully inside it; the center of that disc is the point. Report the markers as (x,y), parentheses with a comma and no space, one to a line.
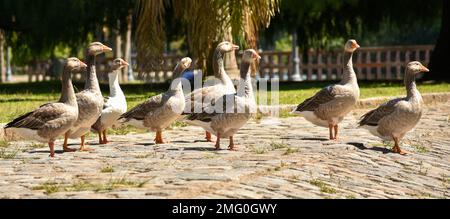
(255,55)
(356,46)
(235,47)
(106,49)
(424,69)
(83,64)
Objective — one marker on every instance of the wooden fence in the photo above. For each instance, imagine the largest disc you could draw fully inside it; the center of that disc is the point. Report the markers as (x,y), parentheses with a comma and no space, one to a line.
(370,63)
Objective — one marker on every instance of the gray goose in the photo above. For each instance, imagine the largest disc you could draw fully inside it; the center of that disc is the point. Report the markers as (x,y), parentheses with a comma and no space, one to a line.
(393,119)
(232,111)
(159,111)
(52,120)
(205,95)
(116,104)
(90,100)
(328,107)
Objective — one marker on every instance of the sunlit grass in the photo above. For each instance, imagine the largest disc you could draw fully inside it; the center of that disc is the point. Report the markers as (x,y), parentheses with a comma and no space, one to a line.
(17,99)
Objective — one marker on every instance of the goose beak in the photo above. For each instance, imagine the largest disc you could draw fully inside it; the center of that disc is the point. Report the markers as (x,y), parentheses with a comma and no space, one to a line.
(83,65)
(356,46)
(106,49)
(424,69)
(235,47)
(256,55)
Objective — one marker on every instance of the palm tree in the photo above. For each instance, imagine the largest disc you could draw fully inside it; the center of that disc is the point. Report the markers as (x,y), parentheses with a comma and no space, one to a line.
(205,22)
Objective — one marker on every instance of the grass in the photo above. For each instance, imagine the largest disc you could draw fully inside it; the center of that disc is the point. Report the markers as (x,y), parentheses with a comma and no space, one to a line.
(290,151)
(145,155)
(6,154)
(19,98)
(37,145)
(53,187)
(4,144)
(107,169)
(325,188)
(276,145)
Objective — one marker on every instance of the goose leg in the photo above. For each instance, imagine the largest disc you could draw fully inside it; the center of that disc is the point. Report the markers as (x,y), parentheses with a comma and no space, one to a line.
(231,146)
(159,139)
(100,140)
(218,142)
(65,147)
(51,145)
(330,127)
(105,140)
(83,146)
(208,136)
(396,148)
(336,128)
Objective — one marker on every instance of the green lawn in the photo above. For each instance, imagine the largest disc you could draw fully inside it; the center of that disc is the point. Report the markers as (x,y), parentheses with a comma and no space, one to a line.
(19,98)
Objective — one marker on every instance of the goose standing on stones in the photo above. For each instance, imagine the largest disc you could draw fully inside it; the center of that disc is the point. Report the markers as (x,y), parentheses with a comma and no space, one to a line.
(205,95)
(116,104)
(52,120)
(393,119)
(235,109)
(90,100)
(328,107)
(159,111)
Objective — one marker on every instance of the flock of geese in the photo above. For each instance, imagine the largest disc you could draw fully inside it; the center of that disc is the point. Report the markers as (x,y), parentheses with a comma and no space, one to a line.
(75,114)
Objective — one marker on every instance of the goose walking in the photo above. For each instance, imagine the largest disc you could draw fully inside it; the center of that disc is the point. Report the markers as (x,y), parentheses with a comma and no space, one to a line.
(205,95)
(159,111)
(116,104)
(328,107)
(52,120)
(393,119)
(230,112)
(90,100)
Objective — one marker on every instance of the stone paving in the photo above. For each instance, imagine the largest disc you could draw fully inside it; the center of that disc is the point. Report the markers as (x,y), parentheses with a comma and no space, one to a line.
(285,158)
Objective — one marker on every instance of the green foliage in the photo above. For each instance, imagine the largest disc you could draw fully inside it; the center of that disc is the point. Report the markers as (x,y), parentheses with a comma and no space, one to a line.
(319,23)
(41,29)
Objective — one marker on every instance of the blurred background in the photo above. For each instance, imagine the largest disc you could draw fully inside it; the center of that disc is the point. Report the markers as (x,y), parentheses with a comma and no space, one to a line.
(299,40)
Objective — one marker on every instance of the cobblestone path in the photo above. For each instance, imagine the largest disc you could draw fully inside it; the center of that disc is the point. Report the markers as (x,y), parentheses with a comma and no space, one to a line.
(284,158)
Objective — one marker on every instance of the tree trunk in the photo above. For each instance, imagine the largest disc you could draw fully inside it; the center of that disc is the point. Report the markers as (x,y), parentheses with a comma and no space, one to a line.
(2,55)
(118,44)
(439,67)
(130,76)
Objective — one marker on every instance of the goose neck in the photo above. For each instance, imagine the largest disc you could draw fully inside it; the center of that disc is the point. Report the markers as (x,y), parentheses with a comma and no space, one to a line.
(114,87)
(91,75)
(348,74)
(411,88)
(219,68)
(67,91)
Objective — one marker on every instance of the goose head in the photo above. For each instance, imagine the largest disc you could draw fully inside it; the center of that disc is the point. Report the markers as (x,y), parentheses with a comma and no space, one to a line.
(351,45)
(416,67)
(225,47)
(97,48)
(75,65)
(119,64)
(250,55)
(186,62)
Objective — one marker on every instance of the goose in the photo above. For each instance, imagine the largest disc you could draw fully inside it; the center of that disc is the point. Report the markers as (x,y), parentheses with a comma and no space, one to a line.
(90,100)
(116,104)
(232,111)
(329,106)
(206,95)
(393,119)
(159,111)
(52,120)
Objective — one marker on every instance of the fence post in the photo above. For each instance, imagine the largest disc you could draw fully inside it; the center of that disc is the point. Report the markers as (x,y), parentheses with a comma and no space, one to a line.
(296,74)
